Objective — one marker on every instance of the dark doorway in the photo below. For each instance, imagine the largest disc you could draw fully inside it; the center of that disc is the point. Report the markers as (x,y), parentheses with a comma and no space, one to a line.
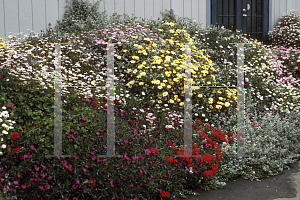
(249,16)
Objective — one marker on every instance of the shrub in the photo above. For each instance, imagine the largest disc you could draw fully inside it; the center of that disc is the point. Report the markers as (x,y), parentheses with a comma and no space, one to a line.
(287,31)
(287,60)
(79,16)
(83,133)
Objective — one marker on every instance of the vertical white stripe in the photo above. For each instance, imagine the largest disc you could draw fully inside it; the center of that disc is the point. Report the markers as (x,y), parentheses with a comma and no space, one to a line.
(32,16)
(46,13)
(4,20)
(19,16)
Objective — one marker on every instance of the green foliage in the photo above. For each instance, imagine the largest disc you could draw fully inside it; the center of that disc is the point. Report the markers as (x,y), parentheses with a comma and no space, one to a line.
(287,32)
(81,16)
(138,127)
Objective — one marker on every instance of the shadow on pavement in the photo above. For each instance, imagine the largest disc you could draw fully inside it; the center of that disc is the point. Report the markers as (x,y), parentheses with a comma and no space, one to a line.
(280,186)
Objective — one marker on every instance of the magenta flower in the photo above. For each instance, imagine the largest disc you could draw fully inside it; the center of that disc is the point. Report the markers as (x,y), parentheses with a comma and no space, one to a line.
(84,170)
(41,187)
(47,186)
(147,151)
(111,183)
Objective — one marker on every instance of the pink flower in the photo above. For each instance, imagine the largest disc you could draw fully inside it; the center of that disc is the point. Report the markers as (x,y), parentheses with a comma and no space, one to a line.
(111,183)
(41,187)
(84,170)
(47,186)
(36,169)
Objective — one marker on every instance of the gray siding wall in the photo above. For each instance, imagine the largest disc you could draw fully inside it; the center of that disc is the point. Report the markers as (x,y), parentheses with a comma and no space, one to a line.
(23,16)
(281,7)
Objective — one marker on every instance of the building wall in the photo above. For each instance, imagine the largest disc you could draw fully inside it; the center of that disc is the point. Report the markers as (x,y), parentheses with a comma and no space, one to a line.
(25,15)
(20,15)
(281,7)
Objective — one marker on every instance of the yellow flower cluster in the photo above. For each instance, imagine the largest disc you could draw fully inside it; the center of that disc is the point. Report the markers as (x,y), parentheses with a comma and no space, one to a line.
(169,64)
(1,43)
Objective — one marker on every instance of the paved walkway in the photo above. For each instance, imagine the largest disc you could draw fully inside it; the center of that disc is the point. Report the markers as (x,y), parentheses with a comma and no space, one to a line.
(282,187)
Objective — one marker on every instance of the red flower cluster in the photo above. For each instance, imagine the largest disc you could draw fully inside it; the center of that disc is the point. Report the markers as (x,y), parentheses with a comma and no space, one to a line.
(165,194)
(209,159)
(15,135)
(153,150)
(94,104)
(93,183)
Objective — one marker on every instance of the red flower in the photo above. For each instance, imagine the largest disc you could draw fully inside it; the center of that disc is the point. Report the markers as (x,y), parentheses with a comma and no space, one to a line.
(230,134)
(165,194)
(15,135)
(153,150)
(169,159)
(16,149)
(94,104)
(92,184)
(190,165)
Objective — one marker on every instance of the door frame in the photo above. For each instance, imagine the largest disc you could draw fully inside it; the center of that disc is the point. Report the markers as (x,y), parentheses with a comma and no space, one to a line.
(240,21)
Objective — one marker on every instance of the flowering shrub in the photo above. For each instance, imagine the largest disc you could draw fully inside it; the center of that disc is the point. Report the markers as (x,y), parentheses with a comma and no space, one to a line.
(287,32)
(7,125)
(147,139)
(82,146)
(80,16)
(287,61)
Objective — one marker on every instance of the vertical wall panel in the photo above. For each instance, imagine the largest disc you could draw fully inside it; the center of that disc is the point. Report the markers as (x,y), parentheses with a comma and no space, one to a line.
(157,9)
(177,6)
(119,7)
(139,9)
(25,16)
(291,5)
(39,15)
(109,7)
(129,7)
(195,10)
(149,9)
(282,7)
(202,12)
(187,8)
(166,5)
(51,12)
(11,16)
(101,6)
(2,17)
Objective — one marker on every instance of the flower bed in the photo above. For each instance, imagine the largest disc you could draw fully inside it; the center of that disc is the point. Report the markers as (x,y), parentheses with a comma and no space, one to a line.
(149,134)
